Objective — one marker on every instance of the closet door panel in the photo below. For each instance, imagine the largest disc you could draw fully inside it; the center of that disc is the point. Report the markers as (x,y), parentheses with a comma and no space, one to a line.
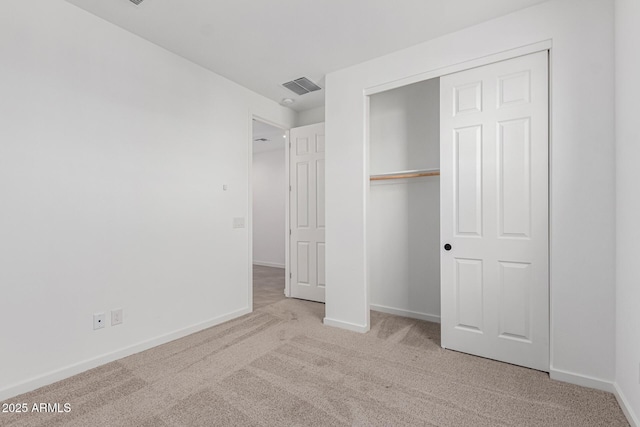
(468,180)
(514,178)
(514,89)
(469,295)
(494,208)
(467,98)
(515,301)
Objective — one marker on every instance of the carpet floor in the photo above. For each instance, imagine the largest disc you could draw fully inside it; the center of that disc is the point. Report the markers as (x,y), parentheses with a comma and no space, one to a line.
(279,366)
(268,286)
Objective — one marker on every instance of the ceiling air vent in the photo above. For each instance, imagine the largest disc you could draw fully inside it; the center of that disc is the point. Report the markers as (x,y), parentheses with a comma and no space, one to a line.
(136,2)
(301,86)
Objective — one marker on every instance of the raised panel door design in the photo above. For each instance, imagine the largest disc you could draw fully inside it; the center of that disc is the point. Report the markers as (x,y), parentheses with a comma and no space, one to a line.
(319,143)
(469,294)
(468,178)
(467,98)
(514,180)
(514,89)
(515,304)
(303,262)
(494,202)
(321,264)
(302,193)
(320,207)
(302,146)
(307,204)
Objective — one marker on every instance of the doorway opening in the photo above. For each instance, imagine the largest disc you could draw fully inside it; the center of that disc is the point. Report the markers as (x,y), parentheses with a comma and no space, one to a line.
(404,201)
(269,183)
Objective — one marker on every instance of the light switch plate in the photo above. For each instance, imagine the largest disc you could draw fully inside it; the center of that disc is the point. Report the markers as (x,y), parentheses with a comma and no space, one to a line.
(238,222)
(116,317)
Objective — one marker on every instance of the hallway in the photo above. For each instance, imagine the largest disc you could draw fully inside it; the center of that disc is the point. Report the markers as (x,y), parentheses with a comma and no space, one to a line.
(268,285)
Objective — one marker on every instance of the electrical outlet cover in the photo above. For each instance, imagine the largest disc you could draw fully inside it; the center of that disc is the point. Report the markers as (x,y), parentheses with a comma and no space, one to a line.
(116,317)
(99,321)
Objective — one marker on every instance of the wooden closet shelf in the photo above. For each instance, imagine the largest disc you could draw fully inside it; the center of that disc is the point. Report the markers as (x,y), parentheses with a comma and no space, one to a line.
(404,175)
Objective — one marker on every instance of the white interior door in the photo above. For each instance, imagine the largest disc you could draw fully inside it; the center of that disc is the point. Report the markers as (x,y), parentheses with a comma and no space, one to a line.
(494,207)
(307,244)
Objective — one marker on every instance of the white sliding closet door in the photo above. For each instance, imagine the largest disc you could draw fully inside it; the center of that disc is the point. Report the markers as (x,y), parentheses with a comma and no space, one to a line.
(307,250)
(494,211)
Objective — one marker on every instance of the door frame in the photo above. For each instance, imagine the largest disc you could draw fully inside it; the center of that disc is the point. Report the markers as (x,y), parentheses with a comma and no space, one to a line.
(285,129)
(545,45)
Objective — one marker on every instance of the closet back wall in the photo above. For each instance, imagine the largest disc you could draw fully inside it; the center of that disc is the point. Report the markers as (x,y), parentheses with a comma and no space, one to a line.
(404,214)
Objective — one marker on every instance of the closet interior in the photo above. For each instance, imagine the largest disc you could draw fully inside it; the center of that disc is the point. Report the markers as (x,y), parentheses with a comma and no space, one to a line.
(403,231)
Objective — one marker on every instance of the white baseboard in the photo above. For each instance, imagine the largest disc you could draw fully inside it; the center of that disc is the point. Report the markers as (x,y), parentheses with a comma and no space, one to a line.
(346,325)
(268,264)
(405,313)
(633,419)
(581,380)
(599,384)
(77,368)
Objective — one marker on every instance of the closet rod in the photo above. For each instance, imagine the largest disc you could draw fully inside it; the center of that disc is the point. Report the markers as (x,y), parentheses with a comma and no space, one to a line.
(405,174)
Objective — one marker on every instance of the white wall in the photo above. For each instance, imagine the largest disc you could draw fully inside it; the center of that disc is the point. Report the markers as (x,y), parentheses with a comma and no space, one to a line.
(113,154)
(404,215)
(310,117)
(269,204)
(582,173)
(627,15)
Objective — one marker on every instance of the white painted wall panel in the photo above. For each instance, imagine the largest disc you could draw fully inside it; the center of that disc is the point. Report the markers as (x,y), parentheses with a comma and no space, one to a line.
(627,16)
(113,157)
(310,117)
(402,123)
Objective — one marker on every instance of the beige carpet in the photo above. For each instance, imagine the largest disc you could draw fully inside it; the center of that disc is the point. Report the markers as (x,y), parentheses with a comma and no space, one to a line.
(268,285)
(279,366)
